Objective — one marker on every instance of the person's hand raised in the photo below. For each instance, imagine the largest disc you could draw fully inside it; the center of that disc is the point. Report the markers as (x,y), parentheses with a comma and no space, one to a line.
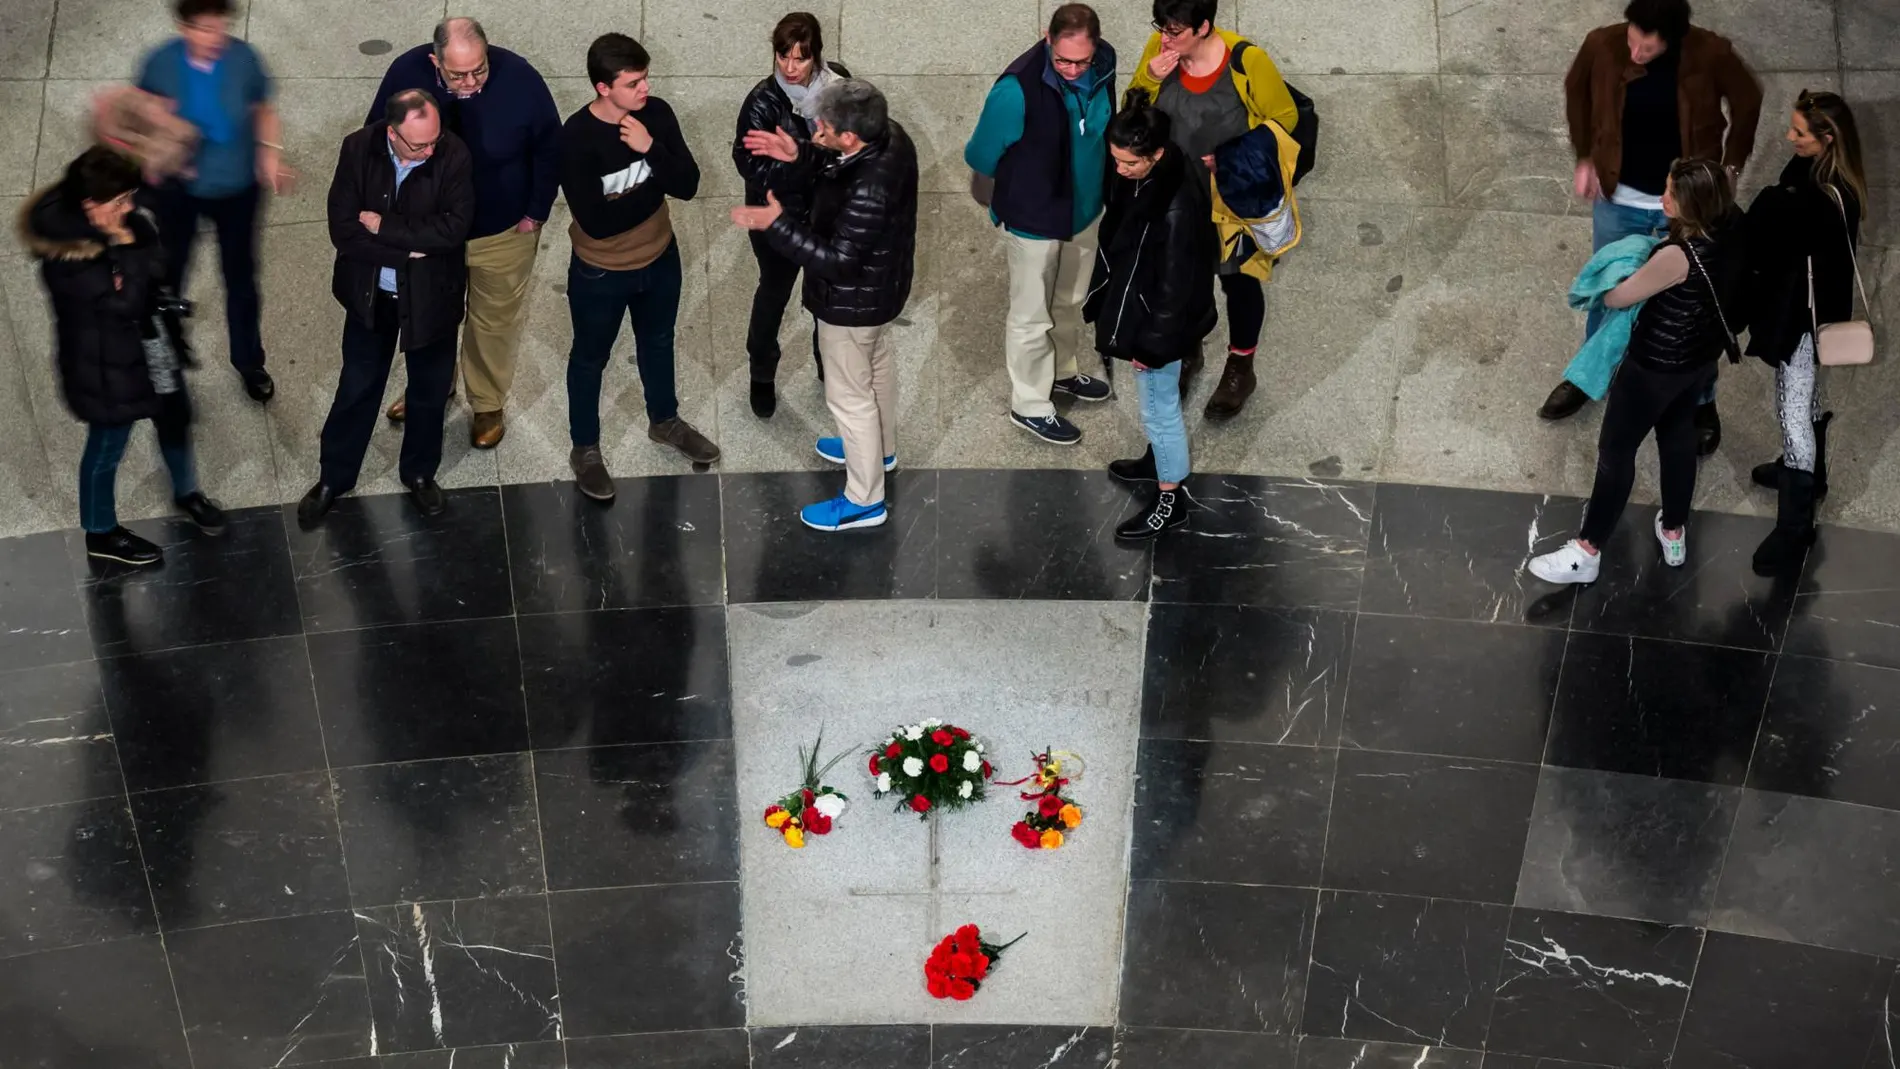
(775,143)
(634,135)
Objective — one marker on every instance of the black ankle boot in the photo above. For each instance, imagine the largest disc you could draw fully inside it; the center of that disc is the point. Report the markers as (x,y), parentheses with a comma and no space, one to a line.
(1708,429)
(1168,511)
(1782,552)
(1769,474)
(1139,470)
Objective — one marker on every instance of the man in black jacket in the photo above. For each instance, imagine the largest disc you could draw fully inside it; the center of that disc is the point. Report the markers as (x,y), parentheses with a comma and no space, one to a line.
(857,253)
(400,208)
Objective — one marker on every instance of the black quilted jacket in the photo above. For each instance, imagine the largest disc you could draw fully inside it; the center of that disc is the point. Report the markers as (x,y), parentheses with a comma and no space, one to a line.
(1681,328)
(859,245)
(768,108)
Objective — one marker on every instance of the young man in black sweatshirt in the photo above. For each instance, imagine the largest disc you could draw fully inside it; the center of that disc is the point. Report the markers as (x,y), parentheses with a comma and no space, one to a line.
(621,156)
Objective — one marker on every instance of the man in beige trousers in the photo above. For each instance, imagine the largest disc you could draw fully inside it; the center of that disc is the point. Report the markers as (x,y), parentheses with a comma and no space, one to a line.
(499,105)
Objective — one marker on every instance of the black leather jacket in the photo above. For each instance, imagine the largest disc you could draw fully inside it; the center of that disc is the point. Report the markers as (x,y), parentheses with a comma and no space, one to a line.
(1681,328)
(1151,297)
(768,108)
(859,247)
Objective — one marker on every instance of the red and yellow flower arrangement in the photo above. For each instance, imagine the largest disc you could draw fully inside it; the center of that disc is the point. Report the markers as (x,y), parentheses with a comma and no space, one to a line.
(960,962)
(930,765)
(1043,827)
(810,809)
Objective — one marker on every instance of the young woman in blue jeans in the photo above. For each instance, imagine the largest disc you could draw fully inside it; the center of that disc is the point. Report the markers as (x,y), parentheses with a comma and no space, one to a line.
(1152,296)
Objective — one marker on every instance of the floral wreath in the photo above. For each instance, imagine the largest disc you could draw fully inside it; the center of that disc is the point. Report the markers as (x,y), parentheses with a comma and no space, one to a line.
(1042,828)
(960,961)
(930,765)
(813,806)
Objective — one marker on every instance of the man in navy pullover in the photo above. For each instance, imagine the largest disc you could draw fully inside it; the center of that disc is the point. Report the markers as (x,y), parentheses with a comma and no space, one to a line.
(498,104)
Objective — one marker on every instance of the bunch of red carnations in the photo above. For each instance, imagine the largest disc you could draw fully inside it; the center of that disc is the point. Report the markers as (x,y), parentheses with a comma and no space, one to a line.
(1043,827)
(811,808)
(930,765)
(958,965)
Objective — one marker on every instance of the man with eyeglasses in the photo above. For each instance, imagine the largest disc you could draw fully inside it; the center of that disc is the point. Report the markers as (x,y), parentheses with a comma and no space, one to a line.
(1040,140)
(500,107)
(399,210)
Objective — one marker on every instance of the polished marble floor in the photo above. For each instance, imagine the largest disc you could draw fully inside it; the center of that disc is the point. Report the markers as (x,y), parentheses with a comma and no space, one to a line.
(406,794)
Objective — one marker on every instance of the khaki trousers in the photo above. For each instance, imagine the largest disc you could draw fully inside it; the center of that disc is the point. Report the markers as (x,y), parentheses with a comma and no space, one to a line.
(861,391)
(499,269)
(1047,280)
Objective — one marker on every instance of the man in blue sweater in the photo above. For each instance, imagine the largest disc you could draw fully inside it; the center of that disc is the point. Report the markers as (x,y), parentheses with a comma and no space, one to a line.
(1040,139)
(498,104)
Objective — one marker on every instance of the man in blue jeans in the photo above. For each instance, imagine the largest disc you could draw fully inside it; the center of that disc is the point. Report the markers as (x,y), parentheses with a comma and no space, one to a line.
(622,156)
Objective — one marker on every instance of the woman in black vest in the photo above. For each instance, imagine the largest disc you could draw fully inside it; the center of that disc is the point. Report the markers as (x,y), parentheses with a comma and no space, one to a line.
(779,106)
(1681,331)
(1810,218)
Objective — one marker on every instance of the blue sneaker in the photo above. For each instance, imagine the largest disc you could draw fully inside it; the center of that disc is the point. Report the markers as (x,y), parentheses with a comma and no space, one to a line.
(1052,429)
(832,449)
(842,514)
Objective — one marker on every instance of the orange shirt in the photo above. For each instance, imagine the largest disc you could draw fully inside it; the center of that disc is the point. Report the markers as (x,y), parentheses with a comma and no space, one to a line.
(1199,85)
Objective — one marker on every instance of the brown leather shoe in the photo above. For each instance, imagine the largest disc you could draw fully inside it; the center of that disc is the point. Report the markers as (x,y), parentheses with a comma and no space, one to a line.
(485,429)
(1236,385)
(680,434)
(398,411)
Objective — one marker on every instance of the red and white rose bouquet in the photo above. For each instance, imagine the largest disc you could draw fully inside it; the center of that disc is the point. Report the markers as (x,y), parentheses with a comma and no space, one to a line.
(930,765)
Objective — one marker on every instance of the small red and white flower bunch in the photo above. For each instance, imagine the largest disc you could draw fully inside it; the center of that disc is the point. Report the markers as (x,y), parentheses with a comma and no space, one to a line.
(930,765)
(1043,827)
(960,962)
(810,809)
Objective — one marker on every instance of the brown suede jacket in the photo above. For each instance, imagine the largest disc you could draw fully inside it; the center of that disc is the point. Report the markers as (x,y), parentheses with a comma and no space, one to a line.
(1709,72)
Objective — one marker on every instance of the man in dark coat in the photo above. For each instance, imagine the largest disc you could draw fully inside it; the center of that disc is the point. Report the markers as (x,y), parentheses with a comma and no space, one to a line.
(400,208)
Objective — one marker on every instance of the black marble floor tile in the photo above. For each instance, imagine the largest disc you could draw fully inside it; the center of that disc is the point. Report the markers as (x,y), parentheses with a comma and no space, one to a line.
(1404,970)
(1229,812)
(212,713)
(242,851)
(56,741)
(1043,534)
(1430,826)
(658,543)
(644,959)
(1763,1004)
(276,992)
(419,692)
(427,830)
(1245,674)
(107,1006)
(1832,730)
(619,815)
(771,556)
(904,1046)
(42,620)
(1172,1048)
(1317,1052)
(1597,989)
(376,560)
(546,1055)
(1848,606)
(1520,1061)
(1451,687)
(234,587)
(1626,846)
(1261,541)
(723,1048)
(460,974)
(1219,956)
(1020,1047)
(72,876)
(1714,598)
(1812,871)
(1460,555)
(646,675)
(1654,708)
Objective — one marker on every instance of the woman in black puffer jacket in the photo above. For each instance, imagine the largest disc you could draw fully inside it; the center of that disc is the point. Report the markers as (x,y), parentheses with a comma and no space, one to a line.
(118,364)
(1688,291)
(783,101)
(1152,295)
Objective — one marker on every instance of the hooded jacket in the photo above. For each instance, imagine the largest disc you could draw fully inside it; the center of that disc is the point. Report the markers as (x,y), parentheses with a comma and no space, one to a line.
(98,326)
(1151,297)
(859,249)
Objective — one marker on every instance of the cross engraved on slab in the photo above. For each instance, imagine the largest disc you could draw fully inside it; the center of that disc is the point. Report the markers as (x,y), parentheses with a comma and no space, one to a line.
(934,891)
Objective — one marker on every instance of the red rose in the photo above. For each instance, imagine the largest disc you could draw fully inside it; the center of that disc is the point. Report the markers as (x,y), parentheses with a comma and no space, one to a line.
(982,966)
(942,737)
(959,733)
(1049,805)
(893,751)
(939,986)
(961,990)
(1026,835)
(873,764)
(986,770)
(939,763)
(969,936)
(920,803)
(962,965)
(808,796)
(817,823)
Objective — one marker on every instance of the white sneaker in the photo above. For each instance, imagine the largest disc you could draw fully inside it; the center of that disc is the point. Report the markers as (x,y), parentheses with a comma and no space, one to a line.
(1570,564)
(1675,550)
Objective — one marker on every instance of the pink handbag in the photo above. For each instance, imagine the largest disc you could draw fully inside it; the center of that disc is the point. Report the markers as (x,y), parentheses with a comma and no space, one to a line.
(1852,342)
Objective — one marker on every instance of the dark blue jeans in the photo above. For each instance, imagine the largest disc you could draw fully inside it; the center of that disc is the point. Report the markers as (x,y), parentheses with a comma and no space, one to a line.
(235,220)
(105,447)
(598,299)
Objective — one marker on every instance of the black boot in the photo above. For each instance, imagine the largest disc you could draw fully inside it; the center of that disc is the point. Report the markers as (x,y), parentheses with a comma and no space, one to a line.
(1168,511)
(1139,470)
(1769,474)
(1781,553)
(1708,429)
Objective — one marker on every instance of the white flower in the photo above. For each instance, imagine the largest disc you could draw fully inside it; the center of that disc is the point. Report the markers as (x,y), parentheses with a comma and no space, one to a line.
(913,767)
(971,762)
(931,722)
(829,804)
(914,732)
(883,783)
(965,789)
(979,747)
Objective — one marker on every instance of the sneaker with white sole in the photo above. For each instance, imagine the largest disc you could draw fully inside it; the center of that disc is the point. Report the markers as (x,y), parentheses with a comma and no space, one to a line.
(1569,564)
(832,449)
(1052,429)
(1675,551)
(842,514)
(1083,388)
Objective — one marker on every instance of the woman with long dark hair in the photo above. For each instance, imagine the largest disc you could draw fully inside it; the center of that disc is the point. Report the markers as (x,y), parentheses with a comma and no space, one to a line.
(1680,333)
(1805,227)
(774,154)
